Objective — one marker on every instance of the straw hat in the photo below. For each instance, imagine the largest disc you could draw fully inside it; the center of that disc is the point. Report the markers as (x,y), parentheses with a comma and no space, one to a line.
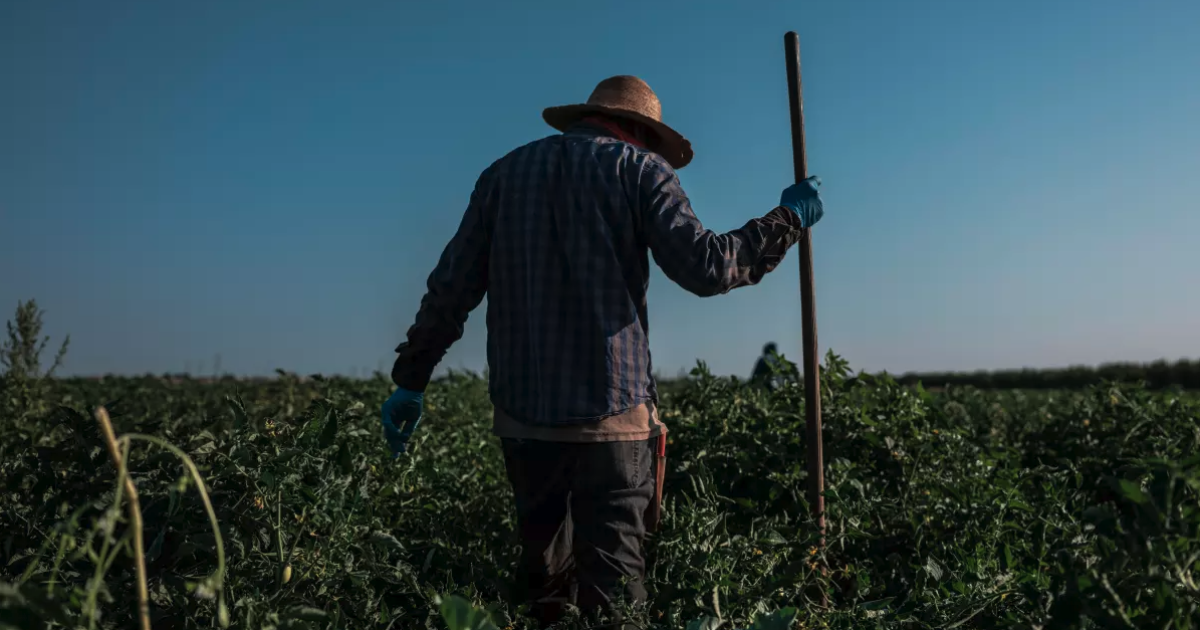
(626,97)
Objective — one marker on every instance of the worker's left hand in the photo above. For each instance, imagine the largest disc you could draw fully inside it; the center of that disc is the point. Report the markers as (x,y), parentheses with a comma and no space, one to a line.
(401,414)
(805,201)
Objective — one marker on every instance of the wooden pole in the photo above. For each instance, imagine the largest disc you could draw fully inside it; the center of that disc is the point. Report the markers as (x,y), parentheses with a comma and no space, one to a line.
(808,306)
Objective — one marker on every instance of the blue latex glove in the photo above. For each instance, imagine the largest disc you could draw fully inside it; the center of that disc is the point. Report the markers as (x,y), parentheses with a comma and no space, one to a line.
(805,201)
(401,415)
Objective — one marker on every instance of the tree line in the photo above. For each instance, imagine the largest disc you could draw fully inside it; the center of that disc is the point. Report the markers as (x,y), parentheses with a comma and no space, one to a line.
(1160,374)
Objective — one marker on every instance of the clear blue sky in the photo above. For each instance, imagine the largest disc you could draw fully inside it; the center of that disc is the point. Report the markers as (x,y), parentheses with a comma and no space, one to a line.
(1008,183)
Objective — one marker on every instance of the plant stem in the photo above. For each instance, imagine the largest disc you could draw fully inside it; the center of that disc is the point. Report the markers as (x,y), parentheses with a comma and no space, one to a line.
(101,562)
(212,514)
(135,517)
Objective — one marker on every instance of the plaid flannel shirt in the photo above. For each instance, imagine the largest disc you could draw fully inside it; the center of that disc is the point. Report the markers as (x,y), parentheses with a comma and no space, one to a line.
(557,235)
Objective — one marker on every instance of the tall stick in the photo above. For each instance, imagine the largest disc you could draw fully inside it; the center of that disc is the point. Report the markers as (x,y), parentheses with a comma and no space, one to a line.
(808,306)
(135,516)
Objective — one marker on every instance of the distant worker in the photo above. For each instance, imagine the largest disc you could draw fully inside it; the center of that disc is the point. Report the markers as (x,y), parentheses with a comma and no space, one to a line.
(769,370)
(559,235)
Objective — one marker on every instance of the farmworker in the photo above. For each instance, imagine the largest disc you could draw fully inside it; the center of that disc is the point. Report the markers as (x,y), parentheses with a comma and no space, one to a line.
(558,234)
(769,370)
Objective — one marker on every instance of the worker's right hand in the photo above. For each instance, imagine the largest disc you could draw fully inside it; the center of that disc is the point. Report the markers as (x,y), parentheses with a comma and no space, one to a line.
(805,201)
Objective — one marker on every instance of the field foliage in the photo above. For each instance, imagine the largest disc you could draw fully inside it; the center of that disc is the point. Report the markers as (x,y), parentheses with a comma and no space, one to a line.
(961,509)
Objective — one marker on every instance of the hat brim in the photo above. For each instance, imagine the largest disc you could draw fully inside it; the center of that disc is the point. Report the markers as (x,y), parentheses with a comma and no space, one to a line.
(672,146)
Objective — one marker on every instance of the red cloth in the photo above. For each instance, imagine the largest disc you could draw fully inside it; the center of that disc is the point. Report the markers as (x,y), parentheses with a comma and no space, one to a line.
(615,129)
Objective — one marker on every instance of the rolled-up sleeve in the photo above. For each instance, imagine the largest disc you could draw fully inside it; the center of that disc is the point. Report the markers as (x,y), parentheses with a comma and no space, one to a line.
(699,260)
(455,288)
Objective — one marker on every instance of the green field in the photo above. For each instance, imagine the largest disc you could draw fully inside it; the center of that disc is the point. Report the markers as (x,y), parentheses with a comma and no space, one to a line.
(960,509)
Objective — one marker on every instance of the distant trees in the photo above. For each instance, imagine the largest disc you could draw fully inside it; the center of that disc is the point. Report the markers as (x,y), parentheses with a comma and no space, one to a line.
(1160,374)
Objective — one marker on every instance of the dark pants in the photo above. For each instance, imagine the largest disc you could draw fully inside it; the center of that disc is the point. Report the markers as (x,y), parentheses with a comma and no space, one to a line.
(580,517)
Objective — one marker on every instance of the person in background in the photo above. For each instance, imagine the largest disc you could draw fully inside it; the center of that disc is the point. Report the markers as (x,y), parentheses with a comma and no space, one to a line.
(769,370)
(559,235)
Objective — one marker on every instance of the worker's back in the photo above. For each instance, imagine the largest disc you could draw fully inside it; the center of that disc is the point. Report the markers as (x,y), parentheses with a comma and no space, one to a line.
(567,277)
(559,235)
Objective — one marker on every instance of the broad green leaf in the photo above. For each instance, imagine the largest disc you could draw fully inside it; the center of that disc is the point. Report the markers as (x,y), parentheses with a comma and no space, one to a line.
(287,454)
(878,604)
(329,433)
(238,410)
(779,620)
(307,613)
(1133,492)
(933,569)
(459,614)
(772,537)
(155,548)
(345,460)
(386,540)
